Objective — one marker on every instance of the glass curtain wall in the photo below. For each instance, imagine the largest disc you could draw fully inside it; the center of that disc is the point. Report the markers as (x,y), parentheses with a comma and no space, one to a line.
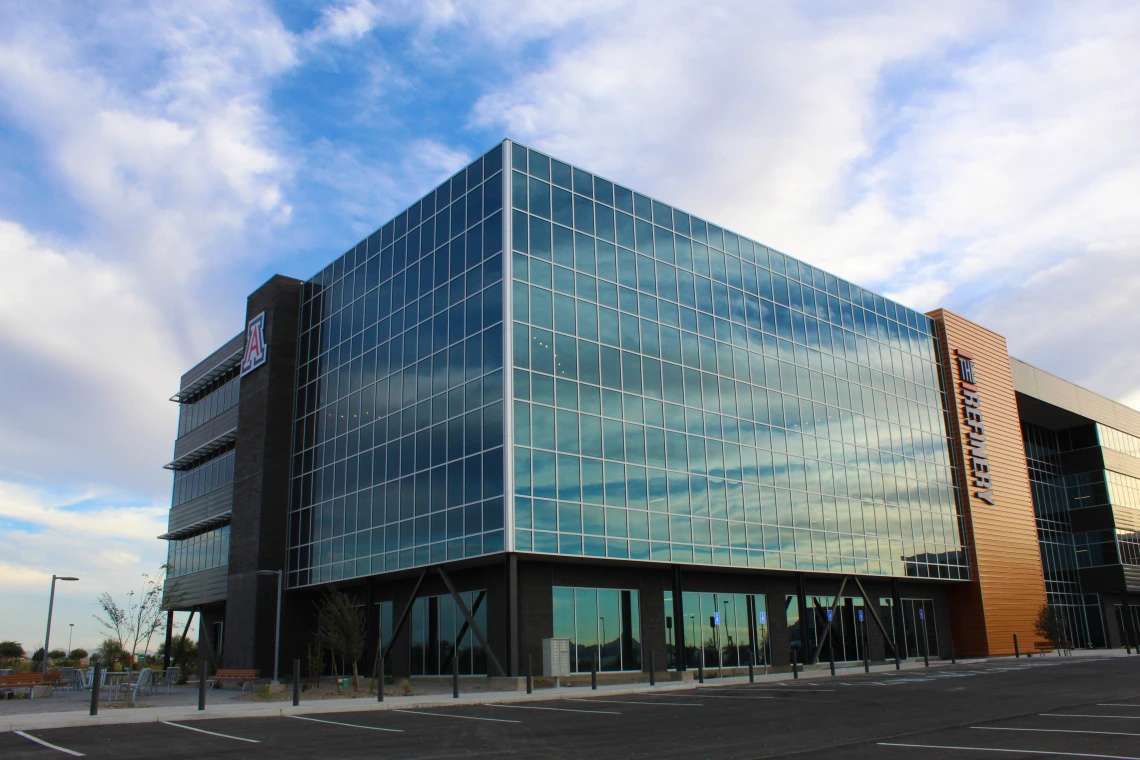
(220,395)
(439,630)
(723,626)
(208,475)
(398,433)
(684,394)
(1062,552)
(603,625)
(918,639)
(197,553)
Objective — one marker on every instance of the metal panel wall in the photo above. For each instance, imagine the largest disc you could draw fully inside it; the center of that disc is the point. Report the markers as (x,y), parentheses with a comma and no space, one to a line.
(1008,587)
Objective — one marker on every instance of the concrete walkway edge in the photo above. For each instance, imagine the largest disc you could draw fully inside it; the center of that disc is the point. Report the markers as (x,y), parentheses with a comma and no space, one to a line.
(118,716)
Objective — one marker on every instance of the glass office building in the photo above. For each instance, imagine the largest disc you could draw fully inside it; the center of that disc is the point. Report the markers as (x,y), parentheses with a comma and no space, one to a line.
(538,403)
(679,394)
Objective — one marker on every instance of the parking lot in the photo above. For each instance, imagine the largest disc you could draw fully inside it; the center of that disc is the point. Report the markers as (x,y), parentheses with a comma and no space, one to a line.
(1041,707)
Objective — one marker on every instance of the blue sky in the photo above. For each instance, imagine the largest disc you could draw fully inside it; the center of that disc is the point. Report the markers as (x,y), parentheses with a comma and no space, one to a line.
(158,161)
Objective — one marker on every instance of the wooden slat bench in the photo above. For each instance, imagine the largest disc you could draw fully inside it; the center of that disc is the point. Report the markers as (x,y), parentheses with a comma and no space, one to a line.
(243,677)
(28,680)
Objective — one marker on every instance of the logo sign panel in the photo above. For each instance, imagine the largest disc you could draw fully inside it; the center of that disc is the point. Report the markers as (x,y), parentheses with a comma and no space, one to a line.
(256,350)
(974,431)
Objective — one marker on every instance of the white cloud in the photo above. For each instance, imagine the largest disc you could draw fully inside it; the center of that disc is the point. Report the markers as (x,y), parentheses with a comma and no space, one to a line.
(963,155)
(106,546)
(170,165)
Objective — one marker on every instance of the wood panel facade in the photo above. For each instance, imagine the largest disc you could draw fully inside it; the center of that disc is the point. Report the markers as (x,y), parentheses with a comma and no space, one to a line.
(1008,586)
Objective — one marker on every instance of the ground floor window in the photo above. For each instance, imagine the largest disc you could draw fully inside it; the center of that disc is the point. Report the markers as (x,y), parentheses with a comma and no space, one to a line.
(439,630)
(847,627)
(726,628)
(1128,626)
(603,625)
(919,625)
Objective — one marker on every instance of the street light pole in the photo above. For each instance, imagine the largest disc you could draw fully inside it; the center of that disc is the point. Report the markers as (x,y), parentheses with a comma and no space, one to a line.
(277,635)
(70,631)
(51,604)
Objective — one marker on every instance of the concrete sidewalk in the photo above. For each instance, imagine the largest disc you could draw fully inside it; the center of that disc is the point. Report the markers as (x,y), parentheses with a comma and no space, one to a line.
(232,709)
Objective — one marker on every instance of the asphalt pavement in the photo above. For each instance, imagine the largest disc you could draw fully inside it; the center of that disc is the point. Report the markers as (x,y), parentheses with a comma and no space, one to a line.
(1029,708)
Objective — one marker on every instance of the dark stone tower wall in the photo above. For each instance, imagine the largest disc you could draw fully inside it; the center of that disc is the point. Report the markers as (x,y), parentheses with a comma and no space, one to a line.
(261,481)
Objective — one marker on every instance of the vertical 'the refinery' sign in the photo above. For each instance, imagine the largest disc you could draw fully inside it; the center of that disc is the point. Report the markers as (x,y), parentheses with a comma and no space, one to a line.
(978,471)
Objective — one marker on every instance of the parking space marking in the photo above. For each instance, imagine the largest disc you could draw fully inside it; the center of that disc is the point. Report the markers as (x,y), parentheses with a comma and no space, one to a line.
(554,709)
(1082,715)
(1114,704)
(1018,751)
(49,745)
(211,733)
(460,717)
(630,702)
(726,696)
(1055,730)
(350,725)
(765,688)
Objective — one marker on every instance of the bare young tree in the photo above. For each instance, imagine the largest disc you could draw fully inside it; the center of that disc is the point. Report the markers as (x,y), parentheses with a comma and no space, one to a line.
(341,627)
(140,619)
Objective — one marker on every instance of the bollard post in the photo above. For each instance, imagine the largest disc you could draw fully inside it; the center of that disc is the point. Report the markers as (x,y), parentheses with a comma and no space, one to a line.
(529,679)
(296,682)
(953,653)
(751,670)
(95,689)
(455,673)
(866,643)
(701,667)
(831,651)
(652,670)
(1016,649)
(795,663)
(594,674)
(202,672)
(925,644)
(379,679)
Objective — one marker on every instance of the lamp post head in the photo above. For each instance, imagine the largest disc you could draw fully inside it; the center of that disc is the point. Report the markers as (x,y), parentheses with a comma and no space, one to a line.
(268,572)
(65,578)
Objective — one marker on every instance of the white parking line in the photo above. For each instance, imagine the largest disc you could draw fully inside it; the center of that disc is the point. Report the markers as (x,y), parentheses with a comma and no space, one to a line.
(49,745)
(211,733)
(1114,704)
(553,709)
(725,696)
(1055,730)
(1082,715)
(765,688)
(350,725)
(460,717)
(1017,751)
(629,702)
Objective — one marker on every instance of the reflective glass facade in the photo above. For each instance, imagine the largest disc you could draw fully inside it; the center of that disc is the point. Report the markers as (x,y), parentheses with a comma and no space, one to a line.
(684,394)
(1062,552)
(398,435)
(200,552)
(603,625)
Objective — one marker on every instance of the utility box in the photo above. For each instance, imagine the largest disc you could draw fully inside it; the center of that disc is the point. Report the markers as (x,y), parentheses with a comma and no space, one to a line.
(555,657)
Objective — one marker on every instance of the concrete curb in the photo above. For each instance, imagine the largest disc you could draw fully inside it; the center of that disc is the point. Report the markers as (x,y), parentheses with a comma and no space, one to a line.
(69,719)
(34,721)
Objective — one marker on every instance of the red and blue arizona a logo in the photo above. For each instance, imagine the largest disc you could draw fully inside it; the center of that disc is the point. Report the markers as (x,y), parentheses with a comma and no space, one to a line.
(256,351)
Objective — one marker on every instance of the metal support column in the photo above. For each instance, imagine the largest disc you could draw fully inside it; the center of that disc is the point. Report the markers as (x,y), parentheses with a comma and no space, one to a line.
(678,621)
(801,595)
(169,640)
(513,638)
